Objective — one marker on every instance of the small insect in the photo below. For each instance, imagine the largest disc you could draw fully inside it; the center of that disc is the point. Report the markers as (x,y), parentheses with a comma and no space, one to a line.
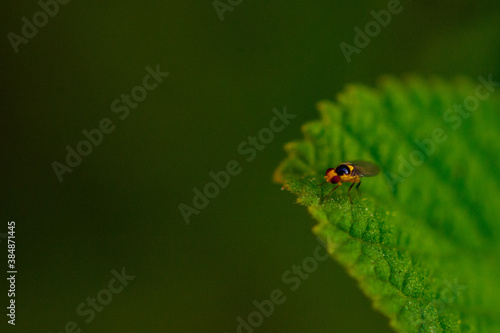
(350,172)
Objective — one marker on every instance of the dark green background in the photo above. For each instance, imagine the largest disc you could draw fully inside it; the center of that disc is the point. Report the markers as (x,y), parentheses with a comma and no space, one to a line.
(119,208)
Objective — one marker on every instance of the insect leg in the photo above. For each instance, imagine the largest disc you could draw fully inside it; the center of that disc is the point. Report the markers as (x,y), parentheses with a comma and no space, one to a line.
(331,192)
(357,188)
(349,192)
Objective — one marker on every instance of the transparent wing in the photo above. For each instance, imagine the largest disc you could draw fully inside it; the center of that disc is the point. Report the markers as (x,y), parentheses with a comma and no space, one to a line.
(364,168)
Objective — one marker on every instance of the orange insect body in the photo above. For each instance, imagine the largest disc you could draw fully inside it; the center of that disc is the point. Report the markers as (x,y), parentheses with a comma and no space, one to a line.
(350,172)
(342,174)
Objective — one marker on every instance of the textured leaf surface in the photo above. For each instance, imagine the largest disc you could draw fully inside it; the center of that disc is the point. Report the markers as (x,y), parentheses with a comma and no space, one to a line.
(423,237)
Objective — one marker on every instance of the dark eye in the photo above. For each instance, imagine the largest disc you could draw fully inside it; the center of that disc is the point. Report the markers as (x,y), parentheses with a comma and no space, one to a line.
(327,171)
(342,170)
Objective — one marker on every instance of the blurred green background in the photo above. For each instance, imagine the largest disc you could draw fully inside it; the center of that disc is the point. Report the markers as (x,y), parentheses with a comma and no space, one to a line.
(119,208)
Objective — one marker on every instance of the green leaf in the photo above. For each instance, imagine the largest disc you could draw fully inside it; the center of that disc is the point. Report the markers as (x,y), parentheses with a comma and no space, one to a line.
(423,237)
